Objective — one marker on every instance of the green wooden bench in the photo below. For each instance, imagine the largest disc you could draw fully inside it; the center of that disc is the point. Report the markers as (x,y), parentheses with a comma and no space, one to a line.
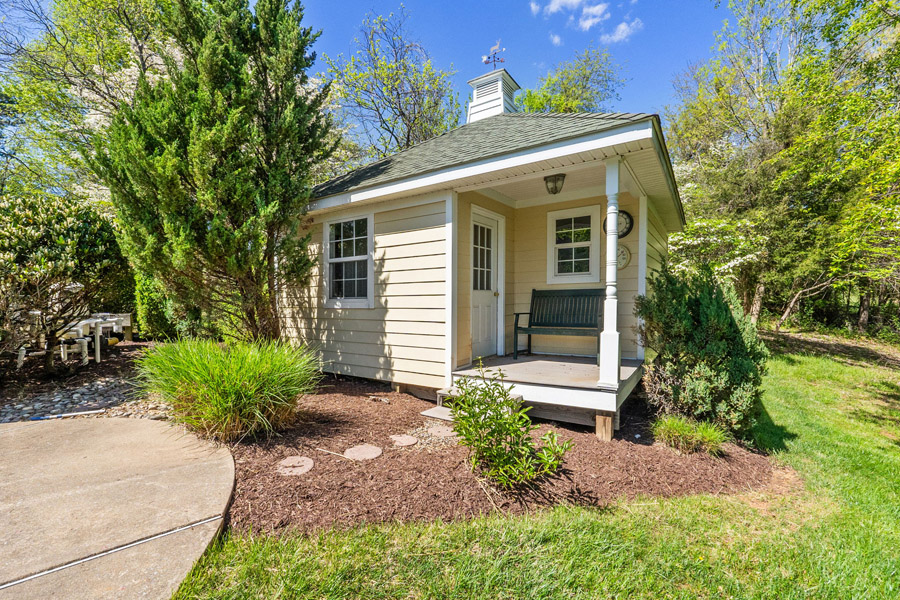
(562,312)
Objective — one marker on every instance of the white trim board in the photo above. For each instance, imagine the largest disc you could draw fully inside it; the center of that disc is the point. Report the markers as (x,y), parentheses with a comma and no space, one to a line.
(451,301)
(597,399)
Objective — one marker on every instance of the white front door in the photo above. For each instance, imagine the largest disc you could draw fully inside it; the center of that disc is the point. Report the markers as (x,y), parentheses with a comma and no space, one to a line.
(485,288)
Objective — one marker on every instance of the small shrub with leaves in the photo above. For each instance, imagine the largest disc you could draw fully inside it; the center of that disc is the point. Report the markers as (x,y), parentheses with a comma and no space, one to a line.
(689,436)
(496,429)
(710,360)
(227,392)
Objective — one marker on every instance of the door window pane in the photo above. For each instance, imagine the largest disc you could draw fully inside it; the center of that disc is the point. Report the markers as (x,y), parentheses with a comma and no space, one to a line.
(481,258)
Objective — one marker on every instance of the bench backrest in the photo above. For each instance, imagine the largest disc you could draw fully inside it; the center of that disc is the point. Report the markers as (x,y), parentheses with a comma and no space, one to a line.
(566,308)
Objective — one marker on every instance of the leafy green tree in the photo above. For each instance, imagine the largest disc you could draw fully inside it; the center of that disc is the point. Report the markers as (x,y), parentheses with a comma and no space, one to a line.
(210,166)
(852,79)
(390,89)
(58,260)
(587,83)
(737,117)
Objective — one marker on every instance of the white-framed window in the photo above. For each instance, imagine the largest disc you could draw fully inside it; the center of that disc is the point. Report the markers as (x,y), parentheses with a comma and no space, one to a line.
(349,263)
(573,245)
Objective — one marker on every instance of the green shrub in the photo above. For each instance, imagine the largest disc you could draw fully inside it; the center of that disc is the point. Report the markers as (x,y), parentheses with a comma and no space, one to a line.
(709,359)
(496,429)
(688,436)
(151,311)
(228,392)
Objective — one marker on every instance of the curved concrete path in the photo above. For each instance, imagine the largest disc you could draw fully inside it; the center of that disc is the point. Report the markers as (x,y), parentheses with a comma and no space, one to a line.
(106,508)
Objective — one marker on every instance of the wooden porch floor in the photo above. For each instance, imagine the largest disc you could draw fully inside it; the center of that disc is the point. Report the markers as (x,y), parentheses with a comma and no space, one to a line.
(556,371)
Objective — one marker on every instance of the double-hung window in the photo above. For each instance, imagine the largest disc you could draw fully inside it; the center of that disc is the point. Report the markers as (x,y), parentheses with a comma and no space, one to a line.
(349,266)
(573,245)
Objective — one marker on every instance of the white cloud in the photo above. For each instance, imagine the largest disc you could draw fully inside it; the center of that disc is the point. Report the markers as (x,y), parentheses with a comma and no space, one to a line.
(624,30)
(555,39)
(535,7)
(591,15)
(557,5)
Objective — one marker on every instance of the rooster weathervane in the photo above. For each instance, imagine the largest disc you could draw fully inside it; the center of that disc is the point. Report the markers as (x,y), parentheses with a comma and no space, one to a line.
(493,56)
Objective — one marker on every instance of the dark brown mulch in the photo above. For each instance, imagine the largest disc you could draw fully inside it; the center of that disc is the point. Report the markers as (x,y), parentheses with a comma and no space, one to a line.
(422,483)
(33,379)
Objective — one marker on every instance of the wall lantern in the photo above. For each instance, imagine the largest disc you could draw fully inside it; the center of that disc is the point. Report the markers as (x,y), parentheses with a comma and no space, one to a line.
(555,182)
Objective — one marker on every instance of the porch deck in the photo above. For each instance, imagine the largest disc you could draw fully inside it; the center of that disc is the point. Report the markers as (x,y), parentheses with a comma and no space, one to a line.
(563,388)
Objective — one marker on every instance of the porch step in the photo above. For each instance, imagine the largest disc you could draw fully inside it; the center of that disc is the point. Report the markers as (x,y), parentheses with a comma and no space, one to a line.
(438,412)
(445,393)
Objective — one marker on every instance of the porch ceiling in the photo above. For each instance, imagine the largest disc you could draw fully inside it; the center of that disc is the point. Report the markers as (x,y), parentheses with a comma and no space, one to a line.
(642,175)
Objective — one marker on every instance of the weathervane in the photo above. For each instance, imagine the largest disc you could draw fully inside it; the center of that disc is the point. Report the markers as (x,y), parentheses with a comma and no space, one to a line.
(493,57)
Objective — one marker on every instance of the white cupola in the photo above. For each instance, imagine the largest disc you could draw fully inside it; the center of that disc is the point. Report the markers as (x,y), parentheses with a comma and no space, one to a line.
(492,94)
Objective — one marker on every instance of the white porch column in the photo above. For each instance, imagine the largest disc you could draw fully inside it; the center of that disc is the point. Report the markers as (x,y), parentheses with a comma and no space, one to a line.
(610,354)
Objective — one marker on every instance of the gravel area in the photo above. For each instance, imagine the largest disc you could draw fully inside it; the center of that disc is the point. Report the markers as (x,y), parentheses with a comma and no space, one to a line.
(106,386)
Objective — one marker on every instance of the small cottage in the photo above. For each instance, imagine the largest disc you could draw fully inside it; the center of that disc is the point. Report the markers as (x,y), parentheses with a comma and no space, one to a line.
(520,240)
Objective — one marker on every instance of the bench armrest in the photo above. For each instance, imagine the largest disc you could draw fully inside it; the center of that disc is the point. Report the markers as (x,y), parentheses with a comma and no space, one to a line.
(516,323)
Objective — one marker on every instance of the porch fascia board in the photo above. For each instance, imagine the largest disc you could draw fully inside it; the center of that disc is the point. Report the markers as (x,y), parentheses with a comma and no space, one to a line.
(445,178)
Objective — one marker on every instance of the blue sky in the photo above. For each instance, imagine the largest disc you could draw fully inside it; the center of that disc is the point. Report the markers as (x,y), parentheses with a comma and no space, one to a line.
(653,40)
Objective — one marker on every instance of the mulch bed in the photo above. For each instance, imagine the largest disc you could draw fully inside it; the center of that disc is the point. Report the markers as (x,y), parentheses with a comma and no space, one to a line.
(432,480)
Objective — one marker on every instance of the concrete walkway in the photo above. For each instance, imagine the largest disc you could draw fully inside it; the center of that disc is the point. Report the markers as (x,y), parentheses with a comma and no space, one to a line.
(106,508)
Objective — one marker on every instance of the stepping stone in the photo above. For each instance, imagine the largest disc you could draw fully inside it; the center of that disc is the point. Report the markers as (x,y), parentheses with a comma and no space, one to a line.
(362,452)
(404,440)
(438,412)
(441,431)
(295,465)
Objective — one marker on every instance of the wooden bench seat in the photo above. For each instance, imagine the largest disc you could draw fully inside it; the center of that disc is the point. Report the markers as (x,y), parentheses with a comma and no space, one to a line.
(562,312)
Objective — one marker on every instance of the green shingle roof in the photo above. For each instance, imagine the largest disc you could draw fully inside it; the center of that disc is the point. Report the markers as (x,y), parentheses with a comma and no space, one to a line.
(488,138)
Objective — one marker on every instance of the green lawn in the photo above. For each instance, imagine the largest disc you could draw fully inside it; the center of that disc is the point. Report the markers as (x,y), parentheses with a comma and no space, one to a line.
(833,417)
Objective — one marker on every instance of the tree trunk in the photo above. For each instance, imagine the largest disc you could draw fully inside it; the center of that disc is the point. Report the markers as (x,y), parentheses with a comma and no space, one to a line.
(862,321)
(50,356)
(810,291)
(756,307)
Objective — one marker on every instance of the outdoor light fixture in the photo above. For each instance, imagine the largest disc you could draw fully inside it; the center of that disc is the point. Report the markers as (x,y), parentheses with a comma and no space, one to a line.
(555,182)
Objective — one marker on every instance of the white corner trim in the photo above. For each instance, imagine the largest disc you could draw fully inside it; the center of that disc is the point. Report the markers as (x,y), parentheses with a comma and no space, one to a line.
(631,132)
(450,306)
(369,300)
(593,275)
(642,260)
(501,273)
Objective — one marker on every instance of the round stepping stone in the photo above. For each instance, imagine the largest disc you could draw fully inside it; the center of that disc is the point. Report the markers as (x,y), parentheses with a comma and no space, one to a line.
(362,452)
(441,431)
(295,465)
(404,440)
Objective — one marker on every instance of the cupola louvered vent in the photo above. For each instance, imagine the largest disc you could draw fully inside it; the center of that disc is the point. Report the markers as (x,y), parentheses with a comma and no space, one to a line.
(492,95)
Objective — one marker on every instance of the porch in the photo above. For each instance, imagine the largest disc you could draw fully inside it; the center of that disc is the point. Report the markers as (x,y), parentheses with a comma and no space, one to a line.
(562,388)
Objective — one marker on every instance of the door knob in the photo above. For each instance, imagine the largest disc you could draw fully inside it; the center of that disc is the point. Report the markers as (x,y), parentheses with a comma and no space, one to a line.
(496,294)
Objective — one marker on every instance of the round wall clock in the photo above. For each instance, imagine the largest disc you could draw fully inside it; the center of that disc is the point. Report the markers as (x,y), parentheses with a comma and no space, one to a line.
(623,257)
(626,223)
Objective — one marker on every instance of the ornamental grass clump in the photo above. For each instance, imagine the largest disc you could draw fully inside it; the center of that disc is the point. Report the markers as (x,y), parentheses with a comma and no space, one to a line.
(689,436)
(227,392)
(495,427)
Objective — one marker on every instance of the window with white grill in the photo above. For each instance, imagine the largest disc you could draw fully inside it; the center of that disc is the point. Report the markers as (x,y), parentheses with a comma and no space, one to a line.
(573,245)
(349,266)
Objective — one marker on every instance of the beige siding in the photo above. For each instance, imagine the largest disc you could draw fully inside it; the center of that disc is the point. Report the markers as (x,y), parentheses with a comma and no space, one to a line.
(401,339)
(657,243)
